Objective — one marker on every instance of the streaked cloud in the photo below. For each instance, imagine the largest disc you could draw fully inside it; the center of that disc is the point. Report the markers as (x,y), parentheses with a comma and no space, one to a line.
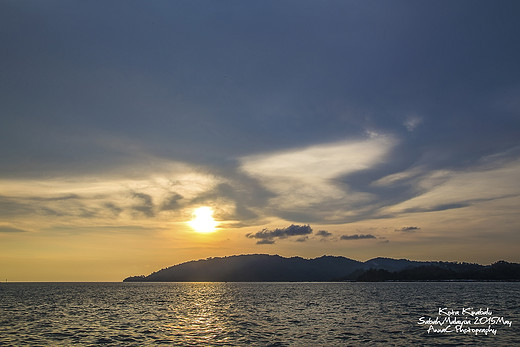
(145,204)
(172,202)
(398,178)
(6,229)
(307,181)
(412,122)
(324,161)
(357,237)
(408,229)
(107,198)
(324,233)
(265,242)
(449,189)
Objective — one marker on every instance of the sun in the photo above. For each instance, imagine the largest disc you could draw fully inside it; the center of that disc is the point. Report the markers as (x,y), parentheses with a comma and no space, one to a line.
(203,221)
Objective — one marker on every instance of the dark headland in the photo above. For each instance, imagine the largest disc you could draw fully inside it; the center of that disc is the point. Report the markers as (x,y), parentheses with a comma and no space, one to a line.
(274,268)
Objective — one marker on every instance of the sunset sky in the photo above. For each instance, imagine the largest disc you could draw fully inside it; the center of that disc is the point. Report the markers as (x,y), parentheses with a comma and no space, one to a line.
(308,128)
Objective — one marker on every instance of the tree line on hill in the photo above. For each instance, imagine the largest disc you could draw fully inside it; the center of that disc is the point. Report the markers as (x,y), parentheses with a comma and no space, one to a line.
(499,271)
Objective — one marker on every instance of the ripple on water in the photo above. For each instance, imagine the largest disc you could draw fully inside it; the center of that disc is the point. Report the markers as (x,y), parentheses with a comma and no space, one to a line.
(246,314)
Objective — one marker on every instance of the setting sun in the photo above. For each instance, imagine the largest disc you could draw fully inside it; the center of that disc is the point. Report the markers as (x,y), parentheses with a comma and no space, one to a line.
(203,221)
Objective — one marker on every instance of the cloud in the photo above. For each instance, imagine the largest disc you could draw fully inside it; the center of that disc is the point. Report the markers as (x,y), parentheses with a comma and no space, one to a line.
(324,233)
(265,242)
(408,229)
(172,202)
(4,229)
(10,207)
(52,212)
(238,200)
(56,198)
(444,207)
(309,183)
(492,178)
(398,178)
(113,208)
(146,206)
(357,237)
(132,198)
(412,122)
(319,161)
(118,229)
(267,236)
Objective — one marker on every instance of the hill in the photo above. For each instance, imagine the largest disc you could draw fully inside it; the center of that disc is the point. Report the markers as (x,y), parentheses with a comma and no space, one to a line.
(274,268)
(255,268)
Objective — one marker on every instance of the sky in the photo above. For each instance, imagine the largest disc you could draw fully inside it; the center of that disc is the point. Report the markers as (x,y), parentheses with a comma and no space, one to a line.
(308,128)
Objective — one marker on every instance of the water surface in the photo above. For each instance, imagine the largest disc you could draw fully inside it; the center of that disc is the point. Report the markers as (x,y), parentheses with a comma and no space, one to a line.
(249,314)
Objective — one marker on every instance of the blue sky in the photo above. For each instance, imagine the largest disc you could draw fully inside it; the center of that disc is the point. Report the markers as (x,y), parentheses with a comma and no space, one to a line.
(352,117)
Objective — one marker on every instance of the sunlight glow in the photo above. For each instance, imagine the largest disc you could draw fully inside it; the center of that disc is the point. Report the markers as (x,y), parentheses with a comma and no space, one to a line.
(203,221)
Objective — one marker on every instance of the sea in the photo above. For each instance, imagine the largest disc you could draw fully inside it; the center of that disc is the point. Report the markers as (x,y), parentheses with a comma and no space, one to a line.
(260,314)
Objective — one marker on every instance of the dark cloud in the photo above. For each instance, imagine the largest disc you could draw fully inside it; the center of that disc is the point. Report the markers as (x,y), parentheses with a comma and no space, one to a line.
(11,230)
(116,210)
(46,211)
(13,207)
(265,242)
(437,208)
(87,213)
(172,202)
(357,237)
(408,229)
(302,239)
(122,229)
(57,206)
(249,71)
(145,206)
(324,233)
(244,214)
(271,235)
(56,198)
(456,205)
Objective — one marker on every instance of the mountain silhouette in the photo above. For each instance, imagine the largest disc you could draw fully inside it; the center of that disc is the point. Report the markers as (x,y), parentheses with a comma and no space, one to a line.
(274,268)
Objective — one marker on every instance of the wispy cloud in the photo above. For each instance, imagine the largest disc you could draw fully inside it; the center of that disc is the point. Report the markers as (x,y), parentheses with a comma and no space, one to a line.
(5,229)
(265,242)
(324,233)
(412,122)
(441,190)
(408,229)
(357,237)
(306,181)
(113,229)
(110,198)
(116,210)
(172,202)
(399,177)
(145,204)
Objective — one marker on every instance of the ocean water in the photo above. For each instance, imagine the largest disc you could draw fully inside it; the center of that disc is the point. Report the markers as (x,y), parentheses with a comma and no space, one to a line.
(259,314)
